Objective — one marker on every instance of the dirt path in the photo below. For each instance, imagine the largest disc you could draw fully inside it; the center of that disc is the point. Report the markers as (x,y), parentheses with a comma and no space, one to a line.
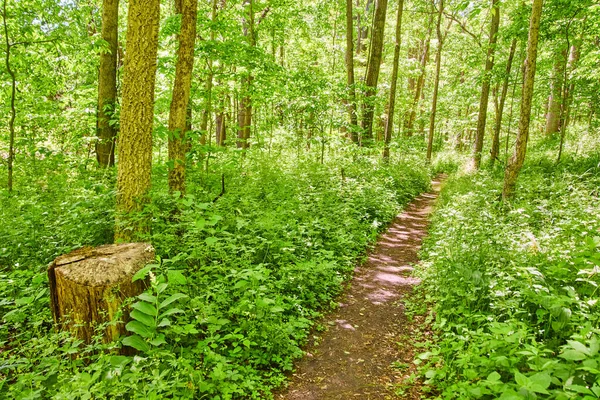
(354,358)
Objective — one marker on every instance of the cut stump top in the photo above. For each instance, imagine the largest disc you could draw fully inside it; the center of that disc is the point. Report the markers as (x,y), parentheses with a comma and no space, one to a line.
(104,265)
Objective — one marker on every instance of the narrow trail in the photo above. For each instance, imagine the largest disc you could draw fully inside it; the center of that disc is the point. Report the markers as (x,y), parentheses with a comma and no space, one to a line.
(354,357)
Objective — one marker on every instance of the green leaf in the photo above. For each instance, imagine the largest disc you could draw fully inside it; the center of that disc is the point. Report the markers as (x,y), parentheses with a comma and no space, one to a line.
(521,379)
(137,343)
(157,341)
(580,347)
(141,274)
(161,287)
(164,322)
(170,311)
(139,328)
(143,318)
(145,307)
(176,277)
(119,361)
(494,377)
(171,299)
(573,355)
(211,240)
(147,297)
(540,382)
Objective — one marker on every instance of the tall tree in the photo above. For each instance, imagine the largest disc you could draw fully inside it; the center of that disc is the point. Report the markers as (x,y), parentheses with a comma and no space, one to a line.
(208,87)
(436,83)
(485,85)
(178,116)
(373,67)
(107,85)
(515,163)
(350,73)
(245,104)
(13,95)
(409,123)
(495,151)
(555,100)
(137,115)
(389,126)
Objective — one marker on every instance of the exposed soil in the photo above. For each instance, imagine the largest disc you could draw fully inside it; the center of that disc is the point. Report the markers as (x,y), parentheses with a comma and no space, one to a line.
(369,332)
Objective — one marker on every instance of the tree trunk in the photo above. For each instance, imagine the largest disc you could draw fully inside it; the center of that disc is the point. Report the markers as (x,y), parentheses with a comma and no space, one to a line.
(389,126)
(209,79)
(410,122)
(13,95)
(89,286)
(373,67)
(350,73)
(485,86)
(181,94)
(438,62)
(137,115)
(495,151)
(556,91)
(515,163)
(107,85)
(245,104)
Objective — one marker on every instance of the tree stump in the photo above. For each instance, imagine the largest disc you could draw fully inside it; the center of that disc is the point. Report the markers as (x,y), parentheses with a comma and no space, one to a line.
(88,287)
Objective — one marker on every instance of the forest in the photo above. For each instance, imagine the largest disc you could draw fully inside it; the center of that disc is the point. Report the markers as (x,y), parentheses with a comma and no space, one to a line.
(316,199)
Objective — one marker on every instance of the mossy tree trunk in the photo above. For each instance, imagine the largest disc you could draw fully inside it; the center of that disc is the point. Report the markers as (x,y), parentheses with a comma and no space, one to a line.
(350,73)
(389,126)
(436,82)
(373,67)
(137,115)
(495,151)
(513,167)
(107,85)
(178,115)
(485,85)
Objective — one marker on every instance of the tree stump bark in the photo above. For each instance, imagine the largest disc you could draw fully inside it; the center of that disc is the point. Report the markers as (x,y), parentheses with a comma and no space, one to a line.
(89,285)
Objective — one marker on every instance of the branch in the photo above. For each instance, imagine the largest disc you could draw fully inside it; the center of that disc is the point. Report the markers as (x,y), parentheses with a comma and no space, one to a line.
(464,28)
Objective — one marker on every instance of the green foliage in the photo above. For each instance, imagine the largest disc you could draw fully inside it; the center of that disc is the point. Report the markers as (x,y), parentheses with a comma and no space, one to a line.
(239,283)
(514,285)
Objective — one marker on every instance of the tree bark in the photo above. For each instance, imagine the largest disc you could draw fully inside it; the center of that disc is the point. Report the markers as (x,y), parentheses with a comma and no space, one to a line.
(107,85)
(350,73)
(438,62)
(514,165)
(389,126)
(410,122)
(495,151)
(373,67)
(245,104)
(556,91)
(178,121)
(13,95)
(137,115)
(485,86)
(88,287)
(209,80)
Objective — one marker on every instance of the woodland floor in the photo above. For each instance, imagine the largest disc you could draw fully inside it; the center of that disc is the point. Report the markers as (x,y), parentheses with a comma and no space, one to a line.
(369,332)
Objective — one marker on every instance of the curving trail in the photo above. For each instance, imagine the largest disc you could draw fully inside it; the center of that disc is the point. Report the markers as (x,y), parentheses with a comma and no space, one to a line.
(354,357)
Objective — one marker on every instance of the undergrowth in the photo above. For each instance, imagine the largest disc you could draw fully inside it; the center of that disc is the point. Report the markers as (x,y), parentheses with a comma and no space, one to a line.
(236,287)
(514,286)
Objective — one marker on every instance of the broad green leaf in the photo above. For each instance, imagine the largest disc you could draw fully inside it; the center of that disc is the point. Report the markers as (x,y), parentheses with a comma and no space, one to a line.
(145,307)
(139,328)
(176,277)
(171,299)
(137,343)
(157,341)
(521,379)
(211,240)
(141,274)
(147,297)
(143,318)
(573,355)
(494,377)
(580,347)
(170,311)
